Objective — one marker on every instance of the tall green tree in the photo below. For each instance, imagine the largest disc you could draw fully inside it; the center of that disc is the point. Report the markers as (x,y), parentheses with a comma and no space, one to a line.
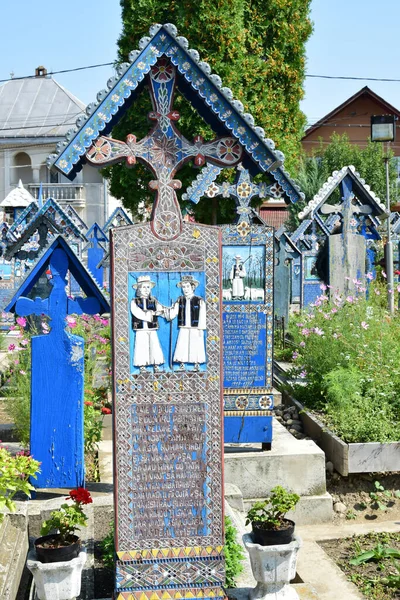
(368,161)
(256,47)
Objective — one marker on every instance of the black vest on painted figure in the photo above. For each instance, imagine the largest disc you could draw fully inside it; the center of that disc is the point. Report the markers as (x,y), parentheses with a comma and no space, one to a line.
(150,305)
(194,311)
(236,271)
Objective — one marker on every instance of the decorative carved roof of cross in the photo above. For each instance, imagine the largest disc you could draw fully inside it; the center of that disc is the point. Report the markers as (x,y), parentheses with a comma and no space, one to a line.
(164,59)
(86,282)
(360,189)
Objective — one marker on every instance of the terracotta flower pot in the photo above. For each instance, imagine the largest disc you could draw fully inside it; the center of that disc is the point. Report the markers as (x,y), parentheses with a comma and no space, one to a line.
(48,549)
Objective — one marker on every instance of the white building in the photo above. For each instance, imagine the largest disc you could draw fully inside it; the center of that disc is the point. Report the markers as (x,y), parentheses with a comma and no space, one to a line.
(35,113)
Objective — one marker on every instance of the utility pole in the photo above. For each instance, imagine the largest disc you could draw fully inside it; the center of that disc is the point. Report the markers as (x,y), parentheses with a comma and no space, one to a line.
(383,129)
(389,245)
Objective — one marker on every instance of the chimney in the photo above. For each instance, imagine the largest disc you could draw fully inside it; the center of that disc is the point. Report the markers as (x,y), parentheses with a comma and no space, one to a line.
(40,72)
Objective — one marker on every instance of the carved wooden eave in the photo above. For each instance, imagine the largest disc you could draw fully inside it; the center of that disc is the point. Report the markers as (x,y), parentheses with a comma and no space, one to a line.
(118,213)
(195,81)
(361,190)
(50,209)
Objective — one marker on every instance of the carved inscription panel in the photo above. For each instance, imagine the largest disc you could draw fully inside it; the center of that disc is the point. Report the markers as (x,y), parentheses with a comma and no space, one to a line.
(170,488)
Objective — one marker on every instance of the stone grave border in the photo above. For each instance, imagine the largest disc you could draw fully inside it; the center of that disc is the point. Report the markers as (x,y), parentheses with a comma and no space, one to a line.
(363,457)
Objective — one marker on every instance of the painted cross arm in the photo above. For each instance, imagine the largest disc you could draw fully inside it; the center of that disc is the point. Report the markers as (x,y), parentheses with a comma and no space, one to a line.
(328,209)
(25,306)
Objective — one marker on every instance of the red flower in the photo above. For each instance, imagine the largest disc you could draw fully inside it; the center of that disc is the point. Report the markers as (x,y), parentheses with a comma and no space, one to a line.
(88,403)
(106,411)
(80,496)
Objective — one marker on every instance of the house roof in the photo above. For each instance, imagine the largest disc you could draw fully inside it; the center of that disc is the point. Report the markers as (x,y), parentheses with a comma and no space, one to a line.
(37,107)
(19,197)
(203,90)
(274,217)
(365,91)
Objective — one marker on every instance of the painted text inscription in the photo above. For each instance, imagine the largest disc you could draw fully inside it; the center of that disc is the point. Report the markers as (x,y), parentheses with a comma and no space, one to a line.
(170,491)
(244,349)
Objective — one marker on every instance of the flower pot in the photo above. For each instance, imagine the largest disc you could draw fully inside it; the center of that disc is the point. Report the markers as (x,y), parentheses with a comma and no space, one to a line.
(273,568)
(57,581)
(274,537)
(48,551)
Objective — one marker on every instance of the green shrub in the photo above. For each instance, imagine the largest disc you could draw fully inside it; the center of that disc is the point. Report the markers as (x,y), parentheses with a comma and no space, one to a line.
(347,364)
(233,554)
(15,472)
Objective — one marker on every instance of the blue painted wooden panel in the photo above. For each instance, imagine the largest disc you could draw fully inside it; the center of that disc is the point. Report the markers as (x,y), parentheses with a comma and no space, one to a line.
(95,255)
(311,291)
(57,410)
(248,429)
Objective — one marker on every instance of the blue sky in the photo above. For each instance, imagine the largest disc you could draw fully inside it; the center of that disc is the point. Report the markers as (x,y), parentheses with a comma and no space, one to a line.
(351,37)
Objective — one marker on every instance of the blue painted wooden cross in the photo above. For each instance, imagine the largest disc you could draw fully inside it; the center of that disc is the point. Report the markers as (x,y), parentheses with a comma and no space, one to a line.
(57,372)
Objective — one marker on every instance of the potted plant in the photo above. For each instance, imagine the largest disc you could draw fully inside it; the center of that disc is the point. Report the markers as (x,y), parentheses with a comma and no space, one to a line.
(58,541)
(267,518)
(57,561)
(273,546)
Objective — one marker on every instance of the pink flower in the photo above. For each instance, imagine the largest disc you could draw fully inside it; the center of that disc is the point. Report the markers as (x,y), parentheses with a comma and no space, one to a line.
(11,347)
(295,355)
(303,374)
(21,321)
(302,324)
(12,327)
(23,372)
(350,299)
(16,362)
(305,332)
(318,331)
(384,274)
(302,344)
(335,335)
(104,322)
(364,325)
(96,318)
(334,310)
(24,342)
(322,287)
(44,325)
(377,292)
(369,276)
(71,322)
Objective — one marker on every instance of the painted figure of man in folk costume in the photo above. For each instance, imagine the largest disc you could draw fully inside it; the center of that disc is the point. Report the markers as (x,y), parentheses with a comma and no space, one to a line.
(236,276)
(191,312)
(145,311)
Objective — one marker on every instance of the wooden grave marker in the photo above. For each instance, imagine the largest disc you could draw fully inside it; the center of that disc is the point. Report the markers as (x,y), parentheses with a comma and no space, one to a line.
(57,383)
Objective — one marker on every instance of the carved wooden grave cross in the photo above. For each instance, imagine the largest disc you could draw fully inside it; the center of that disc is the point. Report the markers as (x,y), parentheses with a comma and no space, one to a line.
(347,209)
(164,151)
(56,437)
(247,252)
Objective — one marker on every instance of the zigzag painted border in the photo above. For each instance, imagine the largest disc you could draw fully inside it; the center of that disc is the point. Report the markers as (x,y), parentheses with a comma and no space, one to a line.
(183,594)
(160,553)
